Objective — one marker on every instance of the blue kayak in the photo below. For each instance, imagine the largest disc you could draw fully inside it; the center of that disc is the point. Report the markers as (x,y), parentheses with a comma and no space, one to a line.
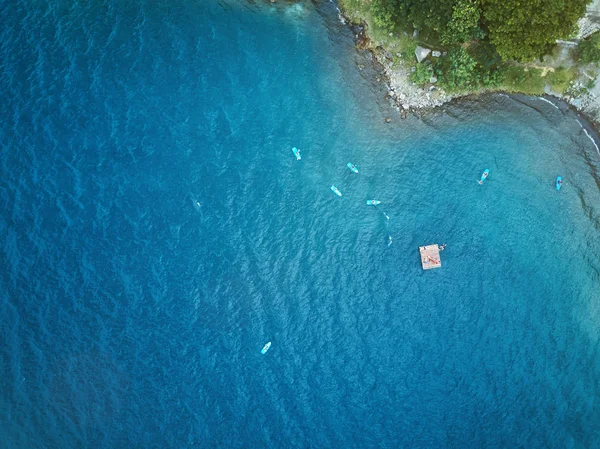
(352,167)
(484,176)
(336,191)
(558,183)
(297,153)
(373,202)
(265,348)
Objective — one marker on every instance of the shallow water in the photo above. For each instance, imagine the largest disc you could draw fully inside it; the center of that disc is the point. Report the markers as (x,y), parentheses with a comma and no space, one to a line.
(157,231)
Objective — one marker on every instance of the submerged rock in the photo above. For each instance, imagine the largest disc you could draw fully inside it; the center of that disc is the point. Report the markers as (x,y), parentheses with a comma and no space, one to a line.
(388,119)
(421,53)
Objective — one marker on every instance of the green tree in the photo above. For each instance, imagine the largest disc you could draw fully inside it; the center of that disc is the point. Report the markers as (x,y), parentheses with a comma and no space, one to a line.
(385,13)
(527,29)
(459,72)
(431,14)
(464,24)
(589,49)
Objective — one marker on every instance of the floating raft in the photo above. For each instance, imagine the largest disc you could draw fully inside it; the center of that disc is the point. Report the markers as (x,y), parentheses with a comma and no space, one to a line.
(430,257)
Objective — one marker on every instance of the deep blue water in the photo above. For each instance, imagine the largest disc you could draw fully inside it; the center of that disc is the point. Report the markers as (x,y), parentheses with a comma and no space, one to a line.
(132,317)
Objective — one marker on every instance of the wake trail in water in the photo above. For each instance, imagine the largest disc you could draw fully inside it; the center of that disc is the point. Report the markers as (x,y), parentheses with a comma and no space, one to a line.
(593,141)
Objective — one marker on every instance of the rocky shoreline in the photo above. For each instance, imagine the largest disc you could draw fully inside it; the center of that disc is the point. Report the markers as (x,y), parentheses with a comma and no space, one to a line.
(402,93)
(406,97)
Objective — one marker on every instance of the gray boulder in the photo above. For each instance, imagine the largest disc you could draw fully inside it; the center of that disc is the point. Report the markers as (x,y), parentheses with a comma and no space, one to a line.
(436,54)
(421,53)
(433,79)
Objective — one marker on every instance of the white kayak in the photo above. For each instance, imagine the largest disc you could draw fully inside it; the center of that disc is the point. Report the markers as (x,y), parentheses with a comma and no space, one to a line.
(265,348)
(373,202)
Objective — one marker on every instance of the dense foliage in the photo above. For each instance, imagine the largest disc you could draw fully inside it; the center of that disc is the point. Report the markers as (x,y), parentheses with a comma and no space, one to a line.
(463,71)
(589,49)
(431,14)
(520,30)
(422,73)
(464,24)
(524,30)
(385,13)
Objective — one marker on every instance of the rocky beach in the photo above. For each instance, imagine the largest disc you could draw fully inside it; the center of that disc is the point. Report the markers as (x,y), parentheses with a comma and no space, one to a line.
(406,96)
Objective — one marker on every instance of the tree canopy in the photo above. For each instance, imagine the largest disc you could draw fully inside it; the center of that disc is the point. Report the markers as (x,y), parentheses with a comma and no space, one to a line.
(464,24)
(519,29)
(524,30)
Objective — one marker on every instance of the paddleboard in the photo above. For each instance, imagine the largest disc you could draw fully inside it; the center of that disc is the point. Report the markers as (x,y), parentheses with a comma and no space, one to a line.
(558,183)
(484,176)
(352,167)
(373,202)
(336,191)
(297,153)
(265,348)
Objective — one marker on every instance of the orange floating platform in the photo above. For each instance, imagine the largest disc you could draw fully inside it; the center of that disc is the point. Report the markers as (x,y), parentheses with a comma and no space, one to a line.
(430,257)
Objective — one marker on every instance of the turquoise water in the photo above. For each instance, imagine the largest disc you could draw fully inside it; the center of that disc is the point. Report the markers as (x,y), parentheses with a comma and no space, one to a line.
(157,231)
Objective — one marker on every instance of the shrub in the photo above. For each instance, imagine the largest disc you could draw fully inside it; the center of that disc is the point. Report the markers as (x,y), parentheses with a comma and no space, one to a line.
(517,79)
(561,78)
(493,78)
(459,71)
(589,49)
(464,24)
(422,74)
(384,14)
